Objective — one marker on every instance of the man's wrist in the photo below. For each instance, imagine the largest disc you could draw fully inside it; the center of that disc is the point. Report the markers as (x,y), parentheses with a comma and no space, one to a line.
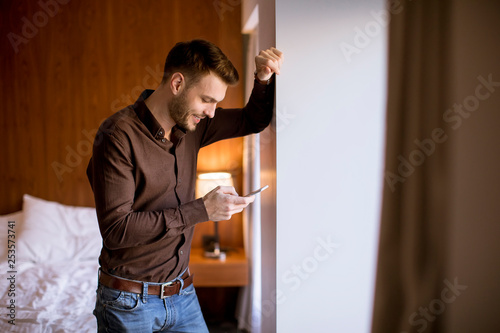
(263,82)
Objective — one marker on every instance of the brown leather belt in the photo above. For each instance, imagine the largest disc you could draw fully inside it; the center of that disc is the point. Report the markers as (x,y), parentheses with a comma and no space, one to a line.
(136,287)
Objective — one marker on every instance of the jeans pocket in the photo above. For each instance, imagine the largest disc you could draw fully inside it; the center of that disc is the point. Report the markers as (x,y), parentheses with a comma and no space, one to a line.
(188,290)
(117,299)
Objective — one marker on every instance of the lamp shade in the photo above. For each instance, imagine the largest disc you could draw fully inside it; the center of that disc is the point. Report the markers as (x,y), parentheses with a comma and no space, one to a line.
(206,182)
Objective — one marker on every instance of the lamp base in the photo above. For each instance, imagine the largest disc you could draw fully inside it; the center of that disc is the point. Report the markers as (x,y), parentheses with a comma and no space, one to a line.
(215,254)
(212,245)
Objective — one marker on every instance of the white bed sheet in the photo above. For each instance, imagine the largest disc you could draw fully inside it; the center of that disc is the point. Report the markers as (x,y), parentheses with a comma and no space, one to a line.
(55,297)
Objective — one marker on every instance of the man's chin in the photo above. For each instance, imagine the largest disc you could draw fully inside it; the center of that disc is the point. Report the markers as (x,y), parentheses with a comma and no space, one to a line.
(188,127)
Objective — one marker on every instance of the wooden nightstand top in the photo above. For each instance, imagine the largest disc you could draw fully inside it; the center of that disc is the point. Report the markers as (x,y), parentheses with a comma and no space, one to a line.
(231,272)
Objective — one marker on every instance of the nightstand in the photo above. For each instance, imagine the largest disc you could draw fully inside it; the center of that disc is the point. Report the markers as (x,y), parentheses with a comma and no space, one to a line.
(231,272)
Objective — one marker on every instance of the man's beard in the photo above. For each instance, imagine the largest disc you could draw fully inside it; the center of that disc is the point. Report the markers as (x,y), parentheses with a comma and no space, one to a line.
(179,111)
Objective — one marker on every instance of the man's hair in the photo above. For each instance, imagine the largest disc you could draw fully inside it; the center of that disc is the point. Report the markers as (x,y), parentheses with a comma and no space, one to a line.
(197,58)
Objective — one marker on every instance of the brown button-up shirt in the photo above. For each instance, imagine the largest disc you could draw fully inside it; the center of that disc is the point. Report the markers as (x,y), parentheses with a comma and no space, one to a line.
(144,184)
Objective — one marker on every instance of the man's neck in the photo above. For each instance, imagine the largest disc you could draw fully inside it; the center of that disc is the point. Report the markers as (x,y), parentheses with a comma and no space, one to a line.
(157,104)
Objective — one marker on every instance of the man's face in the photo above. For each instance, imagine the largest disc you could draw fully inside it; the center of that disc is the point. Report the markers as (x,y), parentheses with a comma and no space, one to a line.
(197,102)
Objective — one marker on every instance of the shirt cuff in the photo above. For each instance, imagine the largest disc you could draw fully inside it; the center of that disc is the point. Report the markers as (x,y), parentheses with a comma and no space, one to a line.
(194,212)
(260,91)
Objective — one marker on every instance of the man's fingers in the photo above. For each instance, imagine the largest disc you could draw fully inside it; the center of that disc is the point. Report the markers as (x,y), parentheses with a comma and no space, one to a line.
(271,55)
(237,204)
(244,201)
(270,58)
(223,201)
(268,66)
(241,203)
(227,190)
(228,212)
(277,52)
(272,63)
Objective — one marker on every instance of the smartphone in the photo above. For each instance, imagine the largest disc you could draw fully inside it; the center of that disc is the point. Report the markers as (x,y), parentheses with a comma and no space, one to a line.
(257,191)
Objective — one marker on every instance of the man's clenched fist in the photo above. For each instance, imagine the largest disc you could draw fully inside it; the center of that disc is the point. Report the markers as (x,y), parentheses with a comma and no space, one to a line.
(268,62)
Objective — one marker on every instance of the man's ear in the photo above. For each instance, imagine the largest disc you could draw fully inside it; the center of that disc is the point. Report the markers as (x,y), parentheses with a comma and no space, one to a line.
(177,83)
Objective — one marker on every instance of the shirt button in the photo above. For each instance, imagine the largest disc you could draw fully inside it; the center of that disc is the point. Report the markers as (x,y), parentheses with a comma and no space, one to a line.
(163,140)
(182,252)
(160,133)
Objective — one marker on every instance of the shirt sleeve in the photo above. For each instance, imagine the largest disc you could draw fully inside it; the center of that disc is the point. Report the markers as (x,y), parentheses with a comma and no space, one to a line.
(111,175)
(231,123)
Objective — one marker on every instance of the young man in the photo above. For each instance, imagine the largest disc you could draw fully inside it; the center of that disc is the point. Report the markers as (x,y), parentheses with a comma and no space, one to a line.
(143,173)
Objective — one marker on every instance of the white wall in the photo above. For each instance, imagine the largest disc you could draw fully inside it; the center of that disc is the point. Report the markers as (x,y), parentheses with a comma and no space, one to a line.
(330,123)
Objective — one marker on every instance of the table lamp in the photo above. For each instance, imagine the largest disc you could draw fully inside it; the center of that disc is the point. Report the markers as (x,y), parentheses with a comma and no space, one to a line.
(205,183)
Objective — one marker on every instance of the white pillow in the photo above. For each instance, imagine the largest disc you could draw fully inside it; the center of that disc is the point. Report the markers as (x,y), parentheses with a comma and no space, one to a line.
(55,232)
(17,217)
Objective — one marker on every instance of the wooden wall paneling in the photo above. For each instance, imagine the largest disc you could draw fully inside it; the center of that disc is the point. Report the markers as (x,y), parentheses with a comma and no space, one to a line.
(88,60)
(226,155)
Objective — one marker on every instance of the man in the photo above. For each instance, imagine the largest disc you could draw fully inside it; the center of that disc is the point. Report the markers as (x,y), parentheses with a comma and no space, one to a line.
(143,172)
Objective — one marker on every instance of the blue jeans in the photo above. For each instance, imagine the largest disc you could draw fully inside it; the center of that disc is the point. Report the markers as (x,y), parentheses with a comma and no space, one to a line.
(120,311)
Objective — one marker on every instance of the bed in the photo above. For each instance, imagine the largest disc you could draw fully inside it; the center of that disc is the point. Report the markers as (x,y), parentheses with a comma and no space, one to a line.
(49,273)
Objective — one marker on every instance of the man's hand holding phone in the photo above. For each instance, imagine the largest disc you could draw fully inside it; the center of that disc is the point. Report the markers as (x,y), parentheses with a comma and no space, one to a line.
(223,201)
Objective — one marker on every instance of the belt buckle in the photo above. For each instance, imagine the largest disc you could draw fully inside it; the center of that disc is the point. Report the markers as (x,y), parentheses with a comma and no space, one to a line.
(163,290)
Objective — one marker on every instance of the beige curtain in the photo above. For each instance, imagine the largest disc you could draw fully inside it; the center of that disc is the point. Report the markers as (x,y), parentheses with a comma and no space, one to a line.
(248,310)
(412,249)
(438,267)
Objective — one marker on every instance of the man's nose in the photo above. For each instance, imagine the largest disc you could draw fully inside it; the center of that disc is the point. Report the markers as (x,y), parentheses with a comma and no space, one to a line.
(210,111)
